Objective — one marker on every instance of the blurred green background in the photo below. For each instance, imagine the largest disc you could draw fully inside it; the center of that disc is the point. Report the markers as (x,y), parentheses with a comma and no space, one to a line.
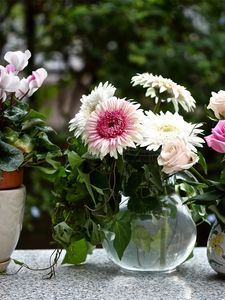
(81,43)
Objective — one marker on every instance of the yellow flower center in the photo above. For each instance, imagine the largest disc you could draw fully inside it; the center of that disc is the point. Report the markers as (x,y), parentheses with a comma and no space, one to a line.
(168,128)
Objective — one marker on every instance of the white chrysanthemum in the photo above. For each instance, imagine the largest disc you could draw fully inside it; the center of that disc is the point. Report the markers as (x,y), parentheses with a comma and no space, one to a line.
(161,129)
(89,103)
(157,85)
(115,125)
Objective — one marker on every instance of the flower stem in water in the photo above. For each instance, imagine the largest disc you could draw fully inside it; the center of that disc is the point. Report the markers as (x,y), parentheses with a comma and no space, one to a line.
(163,241)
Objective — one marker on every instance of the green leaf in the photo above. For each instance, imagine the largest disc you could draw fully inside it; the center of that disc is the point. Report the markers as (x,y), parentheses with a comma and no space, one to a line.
(98,190)
(24,144)
(86,179)
(17,262)
(32,123)
(206,197)
(33,114)
(202,162)
(122,229)
(76,253)
(63,234)
(74,159)
(10,135)
(14,113)
(10,157)
(142,238)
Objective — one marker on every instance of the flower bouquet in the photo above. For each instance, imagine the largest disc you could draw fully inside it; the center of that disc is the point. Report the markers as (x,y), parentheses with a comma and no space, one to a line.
(213,197)
(123,176)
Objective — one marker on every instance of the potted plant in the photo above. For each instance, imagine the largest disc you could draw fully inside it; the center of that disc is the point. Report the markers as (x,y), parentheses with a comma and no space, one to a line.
(124,177)
(24,142)
(213,197)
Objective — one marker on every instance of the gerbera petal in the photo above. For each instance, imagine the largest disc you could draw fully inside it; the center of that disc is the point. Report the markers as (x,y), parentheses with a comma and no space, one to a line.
(157,84)
(115,125)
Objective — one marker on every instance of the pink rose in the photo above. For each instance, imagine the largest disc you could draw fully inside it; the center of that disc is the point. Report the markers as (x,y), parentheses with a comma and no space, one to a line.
(217,139)
(176,156)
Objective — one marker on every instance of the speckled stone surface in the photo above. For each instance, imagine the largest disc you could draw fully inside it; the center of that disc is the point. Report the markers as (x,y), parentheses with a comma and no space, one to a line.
(100,279)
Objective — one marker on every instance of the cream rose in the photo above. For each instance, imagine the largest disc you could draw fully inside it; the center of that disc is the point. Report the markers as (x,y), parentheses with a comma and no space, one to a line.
(217,103)
(176,156)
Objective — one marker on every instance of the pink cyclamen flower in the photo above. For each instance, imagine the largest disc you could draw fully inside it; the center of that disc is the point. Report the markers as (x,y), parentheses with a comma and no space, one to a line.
(8,83)
(112,127)
(217,139)
(17,59)
(32,83)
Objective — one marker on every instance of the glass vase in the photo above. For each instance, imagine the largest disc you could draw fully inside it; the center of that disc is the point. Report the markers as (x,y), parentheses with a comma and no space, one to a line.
(160,240)
(163,233)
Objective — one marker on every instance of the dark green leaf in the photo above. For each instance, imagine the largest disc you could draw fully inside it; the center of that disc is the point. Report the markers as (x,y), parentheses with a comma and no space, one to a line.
(14,113)
(32,123)
(10,157)
(122,229)
(86,179)
(202,162)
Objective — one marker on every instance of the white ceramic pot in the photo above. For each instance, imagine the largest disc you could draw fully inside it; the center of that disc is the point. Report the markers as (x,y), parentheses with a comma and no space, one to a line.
(216,248)
(12,204)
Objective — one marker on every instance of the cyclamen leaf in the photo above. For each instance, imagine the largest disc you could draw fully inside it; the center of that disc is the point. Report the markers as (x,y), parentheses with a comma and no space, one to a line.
(29,124)
(14,113)
(11,157)
(76,253)
(33,114)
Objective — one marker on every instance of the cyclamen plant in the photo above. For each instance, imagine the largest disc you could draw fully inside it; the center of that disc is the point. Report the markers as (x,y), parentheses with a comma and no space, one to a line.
(23,131)
(101,164)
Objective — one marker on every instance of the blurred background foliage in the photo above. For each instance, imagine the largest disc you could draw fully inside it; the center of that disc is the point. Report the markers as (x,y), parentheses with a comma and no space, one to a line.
(82,42)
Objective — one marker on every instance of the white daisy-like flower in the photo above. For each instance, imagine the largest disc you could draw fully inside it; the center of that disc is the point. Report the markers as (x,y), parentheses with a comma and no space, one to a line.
(115,125)
(89,103)
(157,85)
(162,129)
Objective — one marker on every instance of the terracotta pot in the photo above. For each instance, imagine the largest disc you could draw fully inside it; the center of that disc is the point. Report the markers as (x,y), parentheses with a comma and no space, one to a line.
(12,204)
(11,180)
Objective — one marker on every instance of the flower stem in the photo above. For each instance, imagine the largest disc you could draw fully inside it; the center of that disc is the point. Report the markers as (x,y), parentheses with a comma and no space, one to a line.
(200,176)
(163,241)
(157,107)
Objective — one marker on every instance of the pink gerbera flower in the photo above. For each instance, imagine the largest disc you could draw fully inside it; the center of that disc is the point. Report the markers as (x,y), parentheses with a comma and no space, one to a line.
(115,125)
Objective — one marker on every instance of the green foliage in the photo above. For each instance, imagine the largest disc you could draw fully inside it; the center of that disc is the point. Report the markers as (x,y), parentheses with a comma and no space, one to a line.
(83,198)
(23,136)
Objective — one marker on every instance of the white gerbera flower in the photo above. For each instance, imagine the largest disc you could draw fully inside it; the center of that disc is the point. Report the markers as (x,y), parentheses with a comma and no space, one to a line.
(89,103)
(112,127)
(161,129)
(157,85)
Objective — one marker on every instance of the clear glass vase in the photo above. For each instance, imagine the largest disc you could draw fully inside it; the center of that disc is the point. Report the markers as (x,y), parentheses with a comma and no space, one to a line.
(160,240)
